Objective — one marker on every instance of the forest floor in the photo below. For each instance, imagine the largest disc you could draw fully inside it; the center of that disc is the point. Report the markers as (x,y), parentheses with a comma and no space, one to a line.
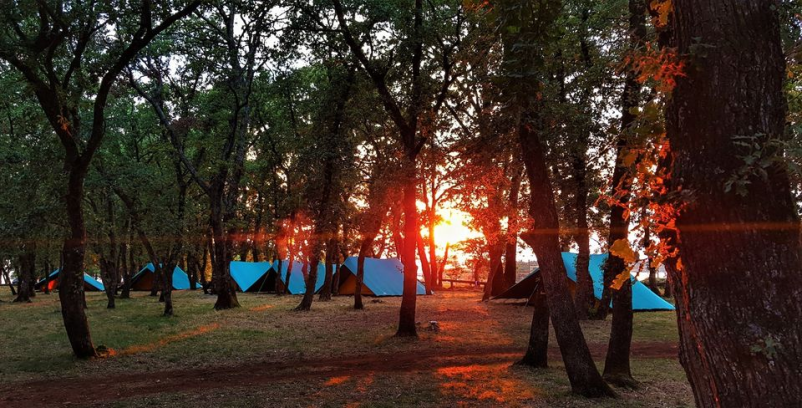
(265,354)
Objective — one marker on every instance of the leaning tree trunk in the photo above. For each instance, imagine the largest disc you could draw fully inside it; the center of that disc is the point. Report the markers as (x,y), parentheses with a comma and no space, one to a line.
(71,288)
(738,285)
(545,241)
(310,277)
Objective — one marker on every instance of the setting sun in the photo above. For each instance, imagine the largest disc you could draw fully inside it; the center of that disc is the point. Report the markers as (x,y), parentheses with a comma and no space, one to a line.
(453,228)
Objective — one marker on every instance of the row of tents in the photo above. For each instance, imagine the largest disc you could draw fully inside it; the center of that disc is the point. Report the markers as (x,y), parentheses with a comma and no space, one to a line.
(383,277)
(142,280)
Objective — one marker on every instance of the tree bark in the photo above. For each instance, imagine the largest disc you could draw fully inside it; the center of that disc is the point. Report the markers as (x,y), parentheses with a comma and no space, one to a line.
(167,288)
(71,287)
(221,275)
(360,270)
(545,241)
(26,276)
(617,366)
(738,282)
(584,298)
(494,278)
(424,262)
(325,290)
(537,349)
(406,320)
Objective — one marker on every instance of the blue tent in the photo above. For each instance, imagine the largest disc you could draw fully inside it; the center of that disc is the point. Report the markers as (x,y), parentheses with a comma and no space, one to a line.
(143,280)
(53,280)
(297,285)
(642,297)
(383,277)
(254,276)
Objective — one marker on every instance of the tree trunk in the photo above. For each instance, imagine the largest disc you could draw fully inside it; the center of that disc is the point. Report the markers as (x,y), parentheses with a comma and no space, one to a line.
(8,280)
(310,276)
(71,288)
(738,285)
(167,288)
(442,267)
(406,321)
(223,284)
(545,241)
(584,298)
(616,365)
(26,276)
(494,278)
(360,270)
(435,283)
(537,349)
(424,262)
(325,290)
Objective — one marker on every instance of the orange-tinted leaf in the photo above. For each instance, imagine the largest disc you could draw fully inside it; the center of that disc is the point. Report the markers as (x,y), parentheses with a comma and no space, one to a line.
(621,249)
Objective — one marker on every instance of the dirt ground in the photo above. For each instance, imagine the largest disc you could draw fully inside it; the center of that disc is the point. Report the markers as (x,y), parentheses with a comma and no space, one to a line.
(264,354)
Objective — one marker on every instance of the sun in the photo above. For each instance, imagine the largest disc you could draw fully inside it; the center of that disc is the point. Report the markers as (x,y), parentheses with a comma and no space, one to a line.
(453,229)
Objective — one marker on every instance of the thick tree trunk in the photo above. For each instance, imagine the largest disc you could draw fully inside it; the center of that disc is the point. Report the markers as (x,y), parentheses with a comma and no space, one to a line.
(406,321)
(223,284)
(616,365)
(537,349)
(544,240)
(26,276)
(511,248)
(494,278)
(738,286)
(71,288)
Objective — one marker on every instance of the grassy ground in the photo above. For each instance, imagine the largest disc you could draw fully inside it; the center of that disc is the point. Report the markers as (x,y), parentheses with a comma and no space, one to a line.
(265,331)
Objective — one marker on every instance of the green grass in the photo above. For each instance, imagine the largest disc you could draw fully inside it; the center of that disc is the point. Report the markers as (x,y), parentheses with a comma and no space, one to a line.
(265,329)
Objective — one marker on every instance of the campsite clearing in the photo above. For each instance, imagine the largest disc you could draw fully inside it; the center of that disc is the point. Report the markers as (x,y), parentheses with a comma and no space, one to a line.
(251,355)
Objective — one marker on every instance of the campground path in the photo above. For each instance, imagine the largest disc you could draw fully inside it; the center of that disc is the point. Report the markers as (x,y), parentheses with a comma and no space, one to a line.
(73,390)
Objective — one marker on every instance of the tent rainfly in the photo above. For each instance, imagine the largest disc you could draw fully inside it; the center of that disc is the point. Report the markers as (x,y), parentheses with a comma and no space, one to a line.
(254,276)
(54,279)
(143,280)
(297,285)
(643,299)
(383,277)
